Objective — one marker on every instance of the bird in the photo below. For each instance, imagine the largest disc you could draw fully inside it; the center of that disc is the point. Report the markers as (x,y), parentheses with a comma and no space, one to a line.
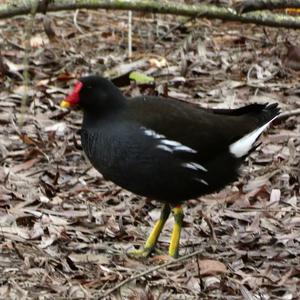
(164,149)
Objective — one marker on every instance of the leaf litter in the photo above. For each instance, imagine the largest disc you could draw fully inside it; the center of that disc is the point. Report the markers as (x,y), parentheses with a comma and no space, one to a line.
(64,230)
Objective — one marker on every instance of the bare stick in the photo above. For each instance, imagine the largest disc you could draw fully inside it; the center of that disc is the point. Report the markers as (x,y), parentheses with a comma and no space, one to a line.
(130,34)
(156,268)
(287,114)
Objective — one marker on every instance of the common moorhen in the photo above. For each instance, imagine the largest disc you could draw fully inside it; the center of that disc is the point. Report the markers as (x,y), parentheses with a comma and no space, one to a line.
(165,149)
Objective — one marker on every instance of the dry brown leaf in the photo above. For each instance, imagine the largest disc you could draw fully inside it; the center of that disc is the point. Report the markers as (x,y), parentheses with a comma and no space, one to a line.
(98,259)
(25,166)
(211,267)
(38,41)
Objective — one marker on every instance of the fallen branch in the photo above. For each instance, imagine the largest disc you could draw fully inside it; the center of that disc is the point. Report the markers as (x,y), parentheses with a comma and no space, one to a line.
(144,273)
(160,7)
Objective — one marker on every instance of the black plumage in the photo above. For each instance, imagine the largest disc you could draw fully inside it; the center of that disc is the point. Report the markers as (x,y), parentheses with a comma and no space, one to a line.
(162,148)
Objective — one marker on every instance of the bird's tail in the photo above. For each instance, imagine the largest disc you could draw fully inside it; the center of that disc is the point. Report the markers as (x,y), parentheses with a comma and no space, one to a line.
(264,114)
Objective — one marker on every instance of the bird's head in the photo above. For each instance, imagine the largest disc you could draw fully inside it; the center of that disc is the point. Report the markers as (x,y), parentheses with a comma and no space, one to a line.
(94,94)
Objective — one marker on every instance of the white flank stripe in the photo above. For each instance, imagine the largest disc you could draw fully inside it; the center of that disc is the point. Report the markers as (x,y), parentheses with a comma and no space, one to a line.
(152,133)
(170,143)
(185,148)
(194,166)
(166,144)
(242,146)
(166,148)
(202,181)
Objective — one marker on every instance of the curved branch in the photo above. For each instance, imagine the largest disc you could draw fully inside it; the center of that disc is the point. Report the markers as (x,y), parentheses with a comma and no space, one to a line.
(160,7)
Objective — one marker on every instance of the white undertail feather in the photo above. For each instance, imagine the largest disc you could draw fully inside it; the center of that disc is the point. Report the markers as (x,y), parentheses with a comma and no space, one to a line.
(242,146)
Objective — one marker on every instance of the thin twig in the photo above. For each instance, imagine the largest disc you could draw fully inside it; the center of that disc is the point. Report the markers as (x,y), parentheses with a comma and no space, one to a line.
(75,21)
(199,273)
(130,34)
(287,114)
(172,29)
(210,226)
(156,268)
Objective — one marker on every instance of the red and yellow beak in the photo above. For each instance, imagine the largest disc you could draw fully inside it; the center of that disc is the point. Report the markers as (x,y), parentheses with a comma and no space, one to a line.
(73,98)
(65,104)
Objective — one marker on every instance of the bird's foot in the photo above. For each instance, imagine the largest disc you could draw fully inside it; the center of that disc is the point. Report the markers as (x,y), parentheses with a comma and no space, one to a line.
(140,253)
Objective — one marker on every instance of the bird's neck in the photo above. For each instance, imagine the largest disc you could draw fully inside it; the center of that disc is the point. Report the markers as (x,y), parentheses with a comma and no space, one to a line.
(91,118)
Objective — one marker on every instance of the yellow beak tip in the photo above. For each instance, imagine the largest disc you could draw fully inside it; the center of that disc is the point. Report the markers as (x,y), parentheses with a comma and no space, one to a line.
(65,104)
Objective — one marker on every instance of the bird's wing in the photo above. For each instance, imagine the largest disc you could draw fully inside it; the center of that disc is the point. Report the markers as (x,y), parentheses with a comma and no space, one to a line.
(210,132)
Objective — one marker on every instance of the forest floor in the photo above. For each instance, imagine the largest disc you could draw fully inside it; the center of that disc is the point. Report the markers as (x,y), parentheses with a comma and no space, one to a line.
(65,231)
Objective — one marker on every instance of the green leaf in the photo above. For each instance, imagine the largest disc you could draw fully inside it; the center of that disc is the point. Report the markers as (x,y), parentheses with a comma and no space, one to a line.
(140,78)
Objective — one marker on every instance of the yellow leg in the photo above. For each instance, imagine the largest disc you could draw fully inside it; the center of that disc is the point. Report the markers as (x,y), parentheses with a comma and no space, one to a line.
(175,238)
(154,235)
